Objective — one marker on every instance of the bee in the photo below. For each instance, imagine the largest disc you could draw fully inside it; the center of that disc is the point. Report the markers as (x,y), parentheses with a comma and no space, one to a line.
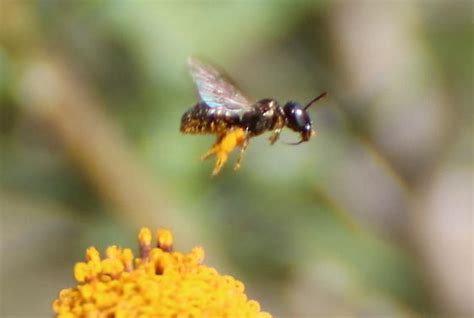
(224,111)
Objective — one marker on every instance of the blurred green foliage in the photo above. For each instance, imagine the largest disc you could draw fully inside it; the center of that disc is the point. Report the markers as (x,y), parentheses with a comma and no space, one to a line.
(290,212)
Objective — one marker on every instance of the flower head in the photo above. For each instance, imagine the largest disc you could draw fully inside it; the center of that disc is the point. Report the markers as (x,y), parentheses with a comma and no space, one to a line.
(159,283)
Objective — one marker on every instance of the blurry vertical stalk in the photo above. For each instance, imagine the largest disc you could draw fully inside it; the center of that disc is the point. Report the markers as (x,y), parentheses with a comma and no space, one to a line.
(49,89)
(397,87)
(50,92)
(393,72)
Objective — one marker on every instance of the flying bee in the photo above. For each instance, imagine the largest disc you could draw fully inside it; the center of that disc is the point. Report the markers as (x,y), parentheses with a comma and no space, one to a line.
(223,110)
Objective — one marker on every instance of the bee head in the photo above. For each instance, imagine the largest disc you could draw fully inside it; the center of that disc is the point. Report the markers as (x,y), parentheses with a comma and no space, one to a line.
(298,120)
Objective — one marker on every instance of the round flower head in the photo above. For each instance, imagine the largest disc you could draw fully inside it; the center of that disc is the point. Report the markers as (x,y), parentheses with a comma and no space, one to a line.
(159,283)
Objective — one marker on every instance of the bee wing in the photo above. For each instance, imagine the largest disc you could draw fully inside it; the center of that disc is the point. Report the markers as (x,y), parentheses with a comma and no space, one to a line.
(214,89)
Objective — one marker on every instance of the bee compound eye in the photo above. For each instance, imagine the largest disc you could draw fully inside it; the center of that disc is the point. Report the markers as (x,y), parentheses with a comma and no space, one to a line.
(299,118)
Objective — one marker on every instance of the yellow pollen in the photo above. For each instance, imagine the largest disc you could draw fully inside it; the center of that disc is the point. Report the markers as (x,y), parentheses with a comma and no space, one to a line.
(165,239)
(144,237)
(159,284)
(92,254)
(224,145)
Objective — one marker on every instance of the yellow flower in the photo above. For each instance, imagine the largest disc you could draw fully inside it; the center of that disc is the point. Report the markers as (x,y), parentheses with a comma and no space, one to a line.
(159,283)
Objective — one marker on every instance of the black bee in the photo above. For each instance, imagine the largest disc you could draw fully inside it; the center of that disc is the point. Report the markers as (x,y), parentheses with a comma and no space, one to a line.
(224,111)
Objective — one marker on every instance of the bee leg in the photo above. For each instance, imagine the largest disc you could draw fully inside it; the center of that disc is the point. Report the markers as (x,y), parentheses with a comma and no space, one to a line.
(274,137)
(224,145)
(214,149)
(221,160)
(243,148)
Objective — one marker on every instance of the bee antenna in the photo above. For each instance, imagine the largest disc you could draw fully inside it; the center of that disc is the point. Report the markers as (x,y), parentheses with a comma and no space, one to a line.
(315,100)
(294,143)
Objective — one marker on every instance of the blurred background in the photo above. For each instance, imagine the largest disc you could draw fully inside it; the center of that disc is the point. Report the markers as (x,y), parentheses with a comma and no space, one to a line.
(373,217)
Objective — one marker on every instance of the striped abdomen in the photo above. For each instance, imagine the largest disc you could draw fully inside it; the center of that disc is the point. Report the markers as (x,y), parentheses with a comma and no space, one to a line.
(202,119)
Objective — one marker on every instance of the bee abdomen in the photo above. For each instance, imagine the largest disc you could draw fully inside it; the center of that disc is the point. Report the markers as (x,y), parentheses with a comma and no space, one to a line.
(202,119)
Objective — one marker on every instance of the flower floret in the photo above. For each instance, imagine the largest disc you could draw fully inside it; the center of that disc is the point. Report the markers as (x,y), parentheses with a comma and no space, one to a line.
(158,283)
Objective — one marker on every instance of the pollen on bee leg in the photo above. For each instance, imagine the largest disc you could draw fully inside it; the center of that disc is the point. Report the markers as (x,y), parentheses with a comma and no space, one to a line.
(221,160)
(224,145)
(243,148)
(211,151)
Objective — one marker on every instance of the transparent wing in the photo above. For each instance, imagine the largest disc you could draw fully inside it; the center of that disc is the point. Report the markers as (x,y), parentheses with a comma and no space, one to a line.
(214,89)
